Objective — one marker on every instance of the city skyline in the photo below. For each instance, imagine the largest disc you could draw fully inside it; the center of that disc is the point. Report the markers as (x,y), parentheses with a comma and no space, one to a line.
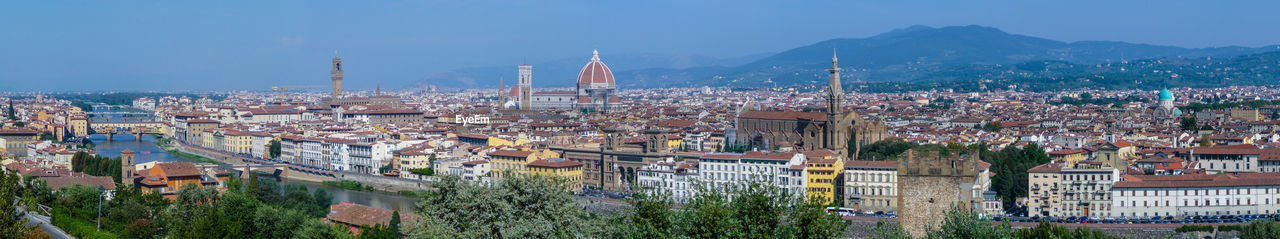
(252,47)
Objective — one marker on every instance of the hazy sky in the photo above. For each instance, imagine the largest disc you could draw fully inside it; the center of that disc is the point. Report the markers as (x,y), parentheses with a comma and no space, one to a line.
(252,45)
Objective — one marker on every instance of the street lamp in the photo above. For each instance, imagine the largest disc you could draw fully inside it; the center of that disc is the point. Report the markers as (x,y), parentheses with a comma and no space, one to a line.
(101,190)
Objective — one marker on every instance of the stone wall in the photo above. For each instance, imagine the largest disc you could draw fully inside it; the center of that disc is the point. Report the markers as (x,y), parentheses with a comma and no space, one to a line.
(924,201)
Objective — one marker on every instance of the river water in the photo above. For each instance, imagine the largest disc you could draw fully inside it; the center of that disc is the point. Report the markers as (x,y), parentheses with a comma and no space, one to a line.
(147,151)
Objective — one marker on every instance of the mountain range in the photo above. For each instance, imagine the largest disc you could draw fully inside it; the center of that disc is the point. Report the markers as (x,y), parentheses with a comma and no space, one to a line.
(913,55)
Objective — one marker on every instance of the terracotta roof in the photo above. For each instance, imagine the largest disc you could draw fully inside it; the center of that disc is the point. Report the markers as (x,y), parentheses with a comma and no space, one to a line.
(771,156)
(721,156)
(1230,149)
(554,164)
(870,164)
(180,169)
(81,179)
(1199,180)
(356,214)
(511,153)
(785,115)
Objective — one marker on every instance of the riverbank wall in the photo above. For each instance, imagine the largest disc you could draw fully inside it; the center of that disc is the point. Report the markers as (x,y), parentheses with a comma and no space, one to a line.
(384,183)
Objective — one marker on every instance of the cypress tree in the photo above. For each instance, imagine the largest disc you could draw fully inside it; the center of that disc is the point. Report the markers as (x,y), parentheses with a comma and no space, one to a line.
(394,227)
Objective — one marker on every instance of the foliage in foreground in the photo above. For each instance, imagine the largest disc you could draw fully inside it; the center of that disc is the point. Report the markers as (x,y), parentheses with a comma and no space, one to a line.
(263,209)
(542,207)
(961,223)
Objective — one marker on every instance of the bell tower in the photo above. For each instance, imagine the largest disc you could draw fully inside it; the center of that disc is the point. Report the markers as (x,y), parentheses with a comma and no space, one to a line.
(834,132)
(335,75)
(126,167)
(526,86)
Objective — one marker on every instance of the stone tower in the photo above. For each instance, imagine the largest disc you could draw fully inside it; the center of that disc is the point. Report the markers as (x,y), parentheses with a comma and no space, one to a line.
(835,133)
(336,76)
(126,167)
(502,94)
(526,86)
(930,183)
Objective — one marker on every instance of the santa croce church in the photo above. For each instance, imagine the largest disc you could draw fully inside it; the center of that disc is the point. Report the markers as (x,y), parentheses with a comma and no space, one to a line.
(805,131)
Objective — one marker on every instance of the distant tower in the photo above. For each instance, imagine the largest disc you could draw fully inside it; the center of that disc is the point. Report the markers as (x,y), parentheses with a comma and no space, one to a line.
(126,167)
(502,96)
(526,86)
(835,109)
(336,76)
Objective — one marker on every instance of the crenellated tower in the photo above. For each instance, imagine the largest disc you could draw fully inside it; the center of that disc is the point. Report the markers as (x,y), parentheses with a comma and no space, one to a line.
(335,75)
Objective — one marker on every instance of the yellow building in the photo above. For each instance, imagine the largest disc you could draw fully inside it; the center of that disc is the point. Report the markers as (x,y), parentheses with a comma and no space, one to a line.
(1070,156)
(825,175)
(511,162)
(570,171)
(16,140)
(414,159)
(79,126)
(495,141)
(236,141)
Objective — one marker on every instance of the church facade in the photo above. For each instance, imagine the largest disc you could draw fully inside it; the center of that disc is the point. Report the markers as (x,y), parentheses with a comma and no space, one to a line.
(833,129)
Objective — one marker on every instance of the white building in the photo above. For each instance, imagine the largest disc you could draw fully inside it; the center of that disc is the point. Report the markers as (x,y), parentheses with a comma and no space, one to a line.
(670,178)
(1138,196)
(784,170)
(1228,159)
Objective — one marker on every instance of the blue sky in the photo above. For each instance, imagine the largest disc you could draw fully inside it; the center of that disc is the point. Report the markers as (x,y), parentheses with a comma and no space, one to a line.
(252,45)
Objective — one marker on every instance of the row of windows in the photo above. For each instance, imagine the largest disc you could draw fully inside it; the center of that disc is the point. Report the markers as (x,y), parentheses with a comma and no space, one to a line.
(1215,202)
(1196,192)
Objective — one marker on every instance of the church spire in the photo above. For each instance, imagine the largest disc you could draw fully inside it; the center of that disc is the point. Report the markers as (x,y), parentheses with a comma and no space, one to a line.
(835,94)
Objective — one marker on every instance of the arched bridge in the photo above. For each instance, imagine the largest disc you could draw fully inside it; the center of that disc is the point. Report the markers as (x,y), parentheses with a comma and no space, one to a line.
(274,169)
(137,129)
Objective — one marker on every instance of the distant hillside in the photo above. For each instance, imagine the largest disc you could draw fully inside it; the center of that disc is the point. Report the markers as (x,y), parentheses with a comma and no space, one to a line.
(914,54)
(1252,69)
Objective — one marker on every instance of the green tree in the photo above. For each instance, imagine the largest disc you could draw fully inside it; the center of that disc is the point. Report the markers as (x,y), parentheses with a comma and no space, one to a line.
(515,207)
(962,223)
(12,113)
(809,219)
(274,149)
(322,199)
(238,208)
(254,188)
(1189,124)
(394,226)
(12,222)
(651,216)
(1264,228)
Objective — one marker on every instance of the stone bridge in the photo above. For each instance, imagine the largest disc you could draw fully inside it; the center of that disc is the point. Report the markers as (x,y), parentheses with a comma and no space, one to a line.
(275,169)
(137,129)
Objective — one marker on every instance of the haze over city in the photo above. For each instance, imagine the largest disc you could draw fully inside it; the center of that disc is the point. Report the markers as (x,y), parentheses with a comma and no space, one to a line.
(255,45)
(647,119)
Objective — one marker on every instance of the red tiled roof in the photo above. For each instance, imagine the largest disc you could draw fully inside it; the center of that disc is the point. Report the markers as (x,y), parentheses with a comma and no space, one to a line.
(785,115)
(511,153)
(356,214)
(554,164)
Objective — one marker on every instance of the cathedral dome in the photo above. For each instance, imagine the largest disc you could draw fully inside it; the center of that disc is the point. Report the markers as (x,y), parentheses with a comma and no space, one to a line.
(1165,94)
(595,74)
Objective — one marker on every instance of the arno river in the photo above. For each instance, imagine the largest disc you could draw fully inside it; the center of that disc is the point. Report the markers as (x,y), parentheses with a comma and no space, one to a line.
(147,151)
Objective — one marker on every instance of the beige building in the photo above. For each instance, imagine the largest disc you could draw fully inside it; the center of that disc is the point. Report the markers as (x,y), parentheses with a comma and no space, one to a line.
(1062,190)
(1245,113)
(871,185)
